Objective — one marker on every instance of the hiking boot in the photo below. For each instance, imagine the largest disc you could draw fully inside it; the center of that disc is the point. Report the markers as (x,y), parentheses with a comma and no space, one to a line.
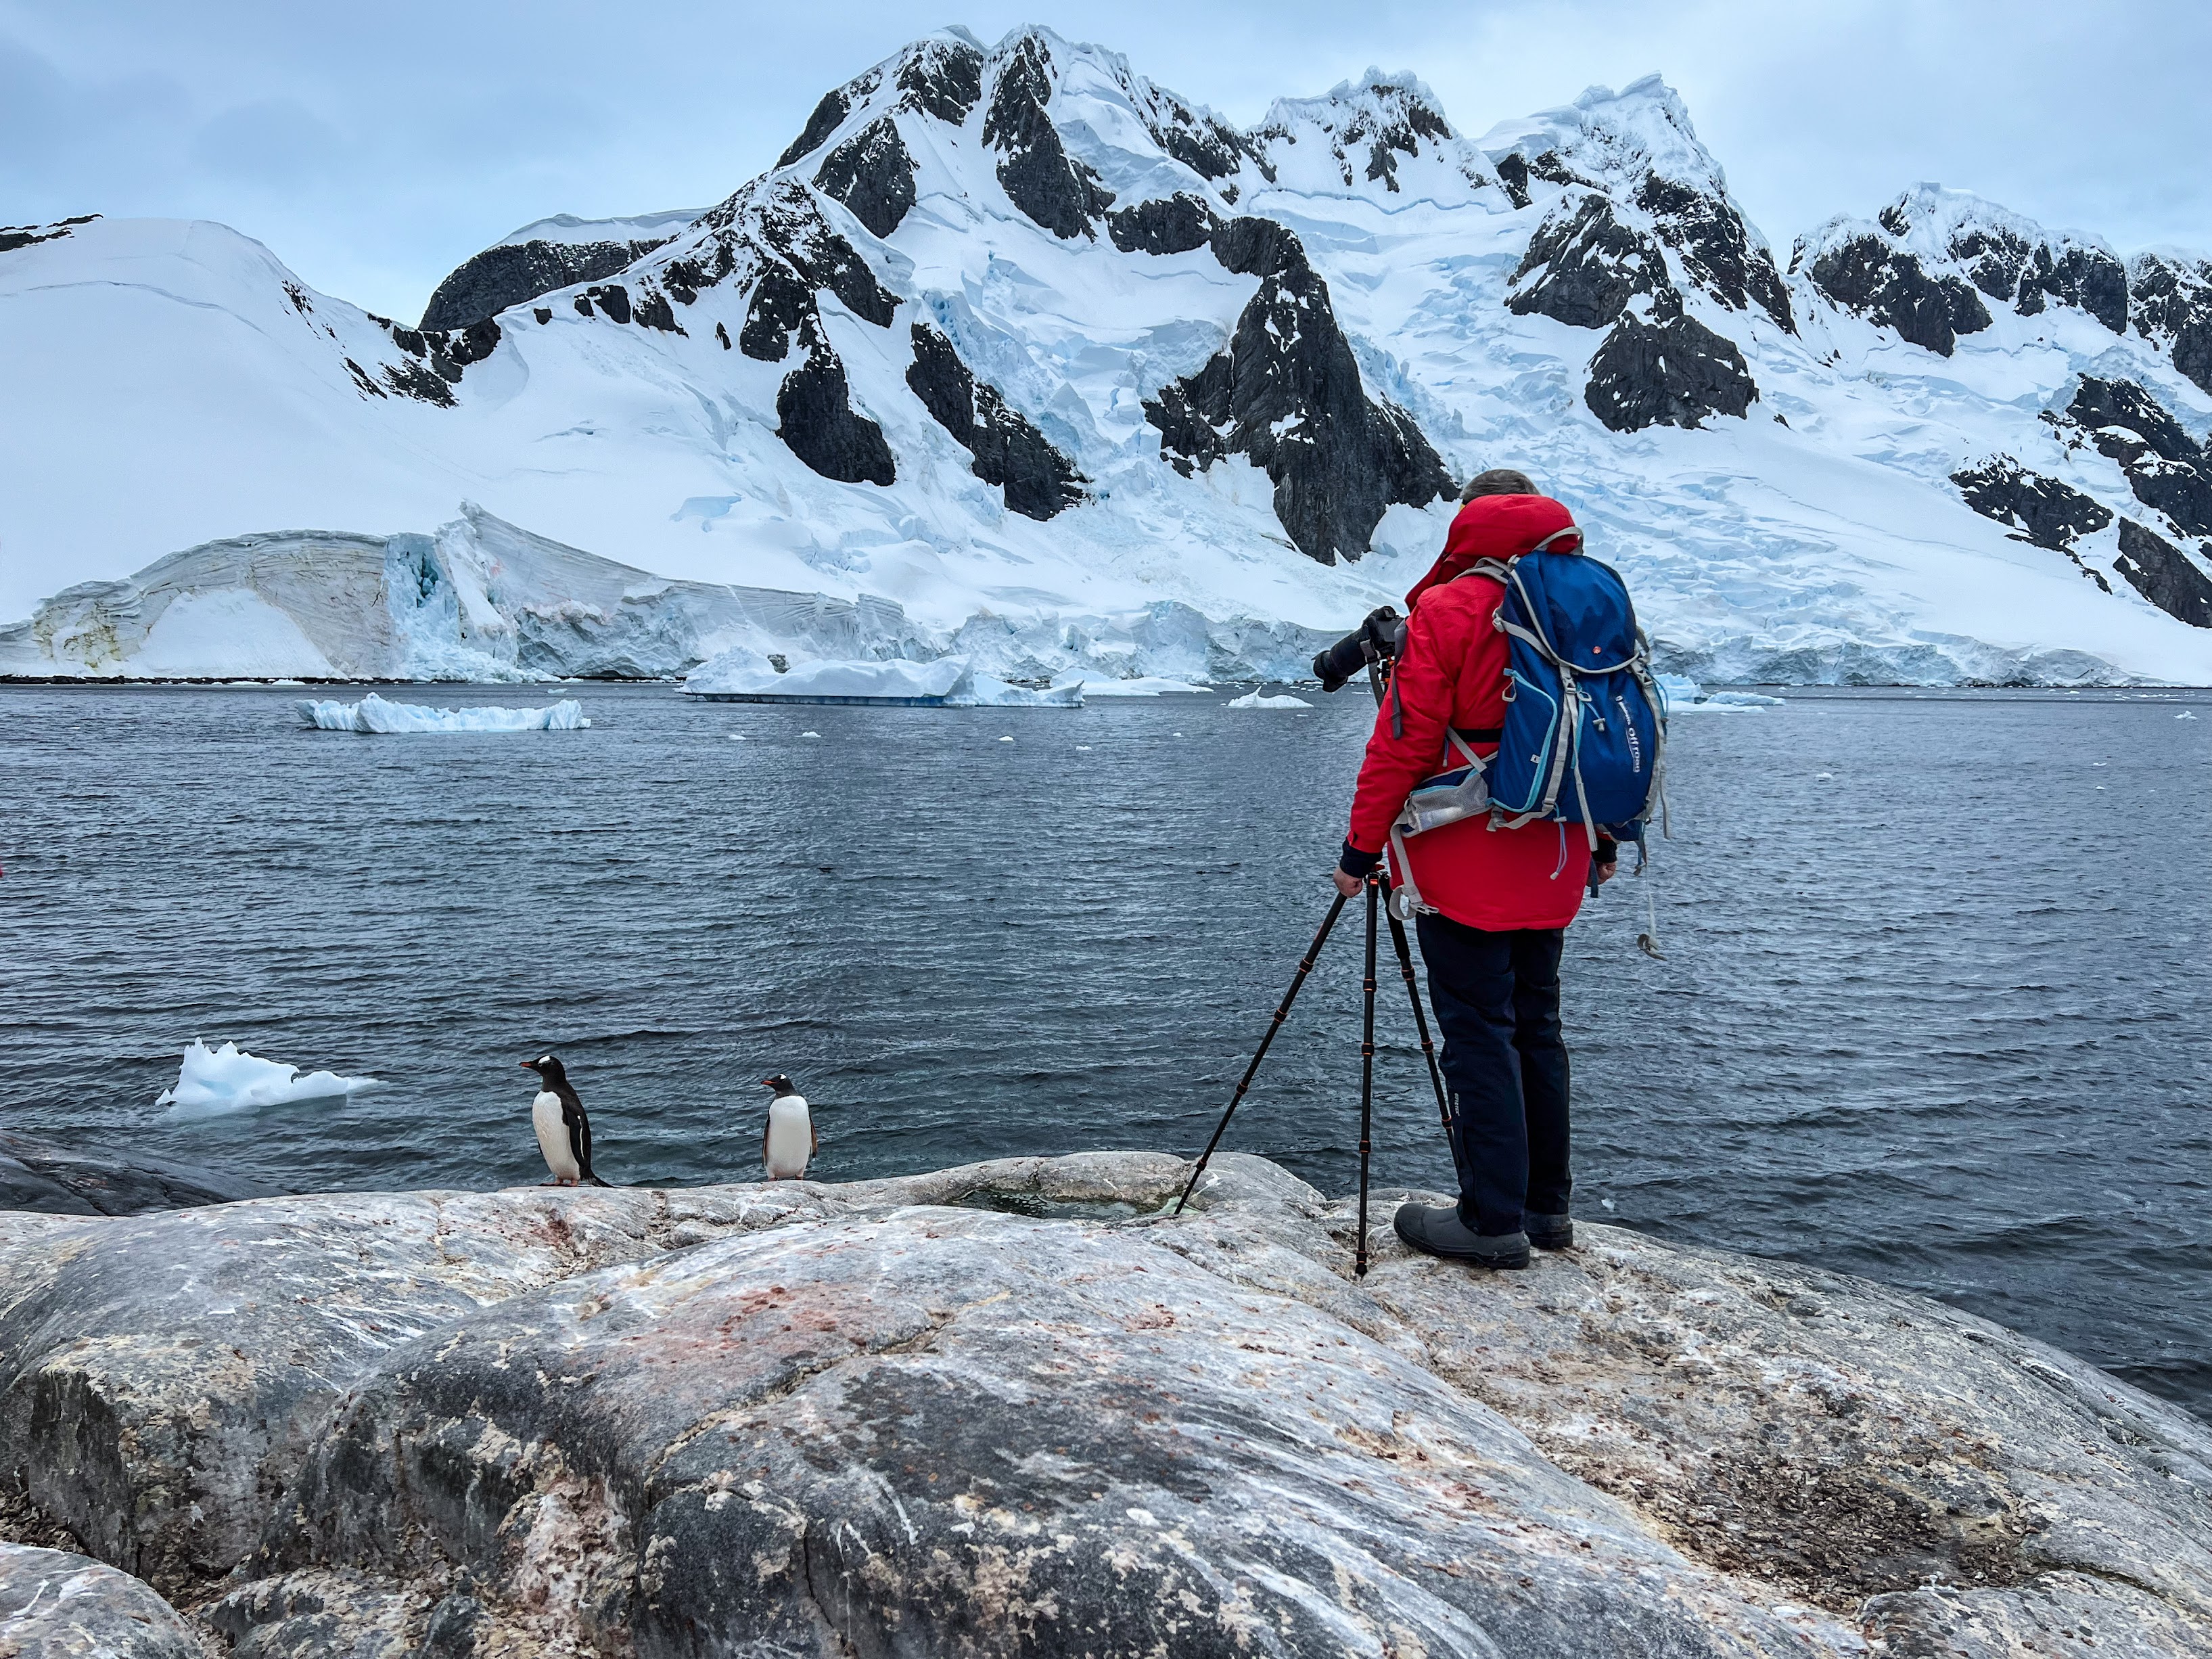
(1550,1232)
(1436,1229)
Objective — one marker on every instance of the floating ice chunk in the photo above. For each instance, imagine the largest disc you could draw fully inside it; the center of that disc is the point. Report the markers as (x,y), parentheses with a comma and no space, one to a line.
(373,714)
(743,675)
(1685,695)
(985,692)
(2186,714)
(1254,700)
(1148,685)
(216,1082)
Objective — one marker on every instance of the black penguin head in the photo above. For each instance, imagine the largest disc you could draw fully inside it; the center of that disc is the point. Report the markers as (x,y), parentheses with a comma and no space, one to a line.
(547,1067)
(781,1084)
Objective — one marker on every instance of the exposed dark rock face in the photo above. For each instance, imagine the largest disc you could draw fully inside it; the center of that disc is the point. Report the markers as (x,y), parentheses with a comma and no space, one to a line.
(1288,394)
(1176,224)
(2171,306)
(816,417)
(58,1605)
(14,236)
(2046,512)
(1670,370)
(1583,265)
(872,174)
(1037,479)
(1209,147)
(499,277)
(613,299)
(1038,175)
(38,1176)
(943,78)
(2165,466)
(654,310)
(2164,575)
(1886,284)
(440,357)
(1716,249)
(2083,277)
(1513,173)
(828,115)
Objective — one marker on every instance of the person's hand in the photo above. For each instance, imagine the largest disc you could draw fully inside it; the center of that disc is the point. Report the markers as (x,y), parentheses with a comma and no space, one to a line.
(1606,872)
(1348,886)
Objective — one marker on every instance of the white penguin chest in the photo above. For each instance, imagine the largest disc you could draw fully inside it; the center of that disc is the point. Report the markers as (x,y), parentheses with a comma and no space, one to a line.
(790,1141)
(553,1136)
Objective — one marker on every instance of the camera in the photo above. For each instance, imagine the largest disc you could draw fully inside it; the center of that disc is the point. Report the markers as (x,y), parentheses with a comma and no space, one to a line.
(1378,640)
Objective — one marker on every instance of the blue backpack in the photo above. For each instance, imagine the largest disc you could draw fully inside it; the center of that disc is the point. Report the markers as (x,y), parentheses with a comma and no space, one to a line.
(1584,739)
(1585,734)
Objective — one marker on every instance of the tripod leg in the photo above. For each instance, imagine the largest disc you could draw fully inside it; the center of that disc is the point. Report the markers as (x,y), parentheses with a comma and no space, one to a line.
(1366,1076)
(1421,1024)
(1305,967)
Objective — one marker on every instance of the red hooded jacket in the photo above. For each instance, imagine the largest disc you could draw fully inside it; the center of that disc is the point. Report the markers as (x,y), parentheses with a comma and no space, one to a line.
(1452,674)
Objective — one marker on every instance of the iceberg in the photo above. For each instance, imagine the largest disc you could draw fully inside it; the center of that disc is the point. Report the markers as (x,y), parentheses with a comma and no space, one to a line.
(1142,685)
(1253,699)
(373,714)
(217,1082)
(1686,696)
(747,676)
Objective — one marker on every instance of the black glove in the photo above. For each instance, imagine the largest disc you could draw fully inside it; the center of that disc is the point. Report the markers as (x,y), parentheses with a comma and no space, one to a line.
(1353,862)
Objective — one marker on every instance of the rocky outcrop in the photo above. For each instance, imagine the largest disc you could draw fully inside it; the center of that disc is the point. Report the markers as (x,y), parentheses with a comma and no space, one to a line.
(2043,509)
(2170,302)
(2164,575)
(1717,250)
(37,1176)
(14,236)
(1288,394)
(1037,480)
(1583,266)
(2166,467)
(1872,277)
(1018,1407)
(1659,365)
(513,273)
(1039,176)
(56,1605)
(1668,369)
(1180,223)
(816,417)
(872,174)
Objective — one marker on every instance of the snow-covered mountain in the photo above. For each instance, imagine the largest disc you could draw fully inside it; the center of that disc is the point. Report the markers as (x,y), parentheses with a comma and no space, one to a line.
(1014,352)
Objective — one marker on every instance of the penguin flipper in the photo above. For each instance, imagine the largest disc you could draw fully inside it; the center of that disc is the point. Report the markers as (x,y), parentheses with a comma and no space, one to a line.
(580,1140)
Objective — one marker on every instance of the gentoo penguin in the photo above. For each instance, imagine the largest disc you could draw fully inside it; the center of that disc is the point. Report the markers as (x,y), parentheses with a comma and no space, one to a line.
(789,1138)
(564,1133)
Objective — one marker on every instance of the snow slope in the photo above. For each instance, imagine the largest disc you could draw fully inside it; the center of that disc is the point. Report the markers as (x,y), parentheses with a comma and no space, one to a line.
(1016,354)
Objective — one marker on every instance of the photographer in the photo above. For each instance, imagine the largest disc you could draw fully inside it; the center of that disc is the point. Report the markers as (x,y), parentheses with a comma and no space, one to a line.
(1494,902)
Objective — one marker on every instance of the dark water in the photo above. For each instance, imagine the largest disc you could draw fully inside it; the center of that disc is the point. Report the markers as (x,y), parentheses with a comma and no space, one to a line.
(1934,1007)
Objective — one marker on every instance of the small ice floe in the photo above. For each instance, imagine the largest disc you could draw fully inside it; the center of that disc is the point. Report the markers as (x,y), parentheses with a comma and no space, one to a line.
(1253,699)
(2186,714)
(1686,696)
(1090,684)
(216,1082)
(373,714)
(737,736)
(810,734)
(739,676)
(1005,739)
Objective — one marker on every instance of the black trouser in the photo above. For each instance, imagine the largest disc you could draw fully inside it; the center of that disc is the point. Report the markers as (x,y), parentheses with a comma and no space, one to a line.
(1497,998)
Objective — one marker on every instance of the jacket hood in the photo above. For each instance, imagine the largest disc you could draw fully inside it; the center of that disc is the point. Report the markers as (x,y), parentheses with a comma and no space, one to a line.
(1497,527)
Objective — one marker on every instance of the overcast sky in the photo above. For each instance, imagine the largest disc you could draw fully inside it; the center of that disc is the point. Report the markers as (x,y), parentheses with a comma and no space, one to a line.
(375,146)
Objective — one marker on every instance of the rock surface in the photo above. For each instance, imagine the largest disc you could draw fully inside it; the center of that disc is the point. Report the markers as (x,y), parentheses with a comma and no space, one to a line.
(46,1179)
(1017,1409)
(55,1605)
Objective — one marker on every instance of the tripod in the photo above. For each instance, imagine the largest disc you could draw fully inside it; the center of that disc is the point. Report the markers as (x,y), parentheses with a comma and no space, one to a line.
(1376,899)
